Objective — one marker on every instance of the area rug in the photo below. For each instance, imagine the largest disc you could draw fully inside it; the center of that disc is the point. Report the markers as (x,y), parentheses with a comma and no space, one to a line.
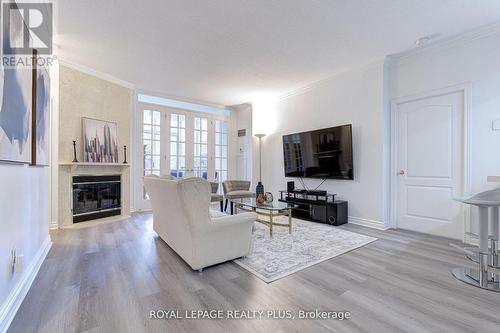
(309,244)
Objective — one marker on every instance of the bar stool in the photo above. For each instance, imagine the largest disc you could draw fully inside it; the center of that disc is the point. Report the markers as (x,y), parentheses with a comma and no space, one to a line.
(480,277)
(493,237)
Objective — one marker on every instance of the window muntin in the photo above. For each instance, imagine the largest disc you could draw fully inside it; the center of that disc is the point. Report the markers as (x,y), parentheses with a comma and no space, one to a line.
(221,151)
(177,145)
(200,147)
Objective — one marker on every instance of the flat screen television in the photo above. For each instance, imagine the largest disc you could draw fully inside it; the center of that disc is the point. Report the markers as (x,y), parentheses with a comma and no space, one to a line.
(323,153)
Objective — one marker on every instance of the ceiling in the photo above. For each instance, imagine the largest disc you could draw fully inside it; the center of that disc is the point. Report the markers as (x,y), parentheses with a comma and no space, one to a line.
(231,51)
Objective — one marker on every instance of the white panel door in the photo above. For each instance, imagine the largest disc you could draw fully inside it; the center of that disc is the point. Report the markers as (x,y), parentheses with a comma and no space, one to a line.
(430,165)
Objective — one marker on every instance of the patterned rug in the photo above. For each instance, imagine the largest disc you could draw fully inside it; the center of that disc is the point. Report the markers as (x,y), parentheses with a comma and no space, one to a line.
(310,243)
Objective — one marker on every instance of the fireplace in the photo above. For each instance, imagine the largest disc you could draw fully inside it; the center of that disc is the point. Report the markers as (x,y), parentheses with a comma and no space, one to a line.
(95,197)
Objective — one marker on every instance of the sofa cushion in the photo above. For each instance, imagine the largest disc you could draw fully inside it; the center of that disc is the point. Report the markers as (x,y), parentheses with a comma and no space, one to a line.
(215,214)
(240,194)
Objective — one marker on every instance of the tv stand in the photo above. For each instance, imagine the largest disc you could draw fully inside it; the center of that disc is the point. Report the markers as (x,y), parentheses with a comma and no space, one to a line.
(316,206)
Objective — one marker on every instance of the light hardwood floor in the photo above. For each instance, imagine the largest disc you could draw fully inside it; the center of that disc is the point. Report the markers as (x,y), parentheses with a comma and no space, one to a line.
(106,278)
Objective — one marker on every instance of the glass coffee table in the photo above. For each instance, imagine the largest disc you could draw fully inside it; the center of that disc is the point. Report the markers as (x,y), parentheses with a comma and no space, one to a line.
(266,212)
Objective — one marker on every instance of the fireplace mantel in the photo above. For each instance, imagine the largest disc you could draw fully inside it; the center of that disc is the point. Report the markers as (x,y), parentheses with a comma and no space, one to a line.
(78,165)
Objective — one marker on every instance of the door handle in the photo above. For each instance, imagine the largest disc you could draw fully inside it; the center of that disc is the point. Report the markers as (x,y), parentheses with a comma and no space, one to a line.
(401,172)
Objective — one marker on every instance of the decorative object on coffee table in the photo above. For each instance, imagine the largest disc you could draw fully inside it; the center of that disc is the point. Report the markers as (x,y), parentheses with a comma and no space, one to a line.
(269,197)
(259,189)
(125,154)
(75,160)
(261,199)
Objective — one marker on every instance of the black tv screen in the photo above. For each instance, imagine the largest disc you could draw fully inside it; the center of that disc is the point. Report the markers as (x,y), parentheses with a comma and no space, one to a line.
(323,153)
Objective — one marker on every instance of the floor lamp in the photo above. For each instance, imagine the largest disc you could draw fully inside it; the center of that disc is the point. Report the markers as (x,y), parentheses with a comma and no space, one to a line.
(259,189)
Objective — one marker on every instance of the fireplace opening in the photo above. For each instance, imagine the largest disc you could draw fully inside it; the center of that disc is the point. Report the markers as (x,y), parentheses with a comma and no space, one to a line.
(95,197)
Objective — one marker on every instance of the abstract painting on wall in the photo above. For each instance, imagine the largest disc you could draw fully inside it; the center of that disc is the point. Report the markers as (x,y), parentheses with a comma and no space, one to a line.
(15,106)
(100,141)
(41,134)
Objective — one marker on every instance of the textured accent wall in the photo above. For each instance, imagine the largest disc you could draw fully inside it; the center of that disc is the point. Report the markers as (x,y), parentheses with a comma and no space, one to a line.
(84,95)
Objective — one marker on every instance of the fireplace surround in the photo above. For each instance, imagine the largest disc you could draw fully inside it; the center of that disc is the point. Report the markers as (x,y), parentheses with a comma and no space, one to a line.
(96,196)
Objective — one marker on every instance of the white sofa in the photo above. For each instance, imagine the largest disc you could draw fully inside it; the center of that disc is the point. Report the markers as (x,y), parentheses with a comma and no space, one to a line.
(181,218)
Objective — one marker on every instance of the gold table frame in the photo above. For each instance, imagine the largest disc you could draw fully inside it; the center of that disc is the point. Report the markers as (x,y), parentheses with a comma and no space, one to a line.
(270,213)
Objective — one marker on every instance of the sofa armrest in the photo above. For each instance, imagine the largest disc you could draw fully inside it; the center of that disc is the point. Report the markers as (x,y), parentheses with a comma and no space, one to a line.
(225,221)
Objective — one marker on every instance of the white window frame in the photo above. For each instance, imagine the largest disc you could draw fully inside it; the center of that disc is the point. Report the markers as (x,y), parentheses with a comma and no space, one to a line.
(220,170)
(140,204)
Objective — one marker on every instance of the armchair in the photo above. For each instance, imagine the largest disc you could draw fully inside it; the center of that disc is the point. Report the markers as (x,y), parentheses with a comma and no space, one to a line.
(181,218)
(236,189)
(216,197)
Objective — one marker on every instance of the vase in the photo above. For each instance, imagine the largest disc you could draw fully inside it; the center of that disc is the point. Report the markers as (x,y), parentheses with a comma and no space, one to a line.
(259,189)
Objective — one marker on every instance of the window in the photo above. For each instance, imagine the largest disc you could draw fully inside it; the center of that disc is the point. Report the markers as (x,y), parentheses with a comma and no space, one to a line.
(151,142)
(177,145)
(200,147)
(220,151)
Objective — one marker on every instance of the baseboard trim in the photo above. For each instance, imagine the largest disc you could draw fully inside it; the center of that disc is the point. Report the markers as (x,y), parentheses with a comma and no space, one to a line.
(91,223)
(471,239)
(53,225)
(139,211)
(14,300)
(367,223)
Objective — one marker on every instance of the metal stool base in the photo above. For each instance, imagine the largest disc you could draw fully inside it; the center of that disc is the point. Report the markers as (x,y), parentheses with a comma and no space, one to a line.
(475,259)
(471,276)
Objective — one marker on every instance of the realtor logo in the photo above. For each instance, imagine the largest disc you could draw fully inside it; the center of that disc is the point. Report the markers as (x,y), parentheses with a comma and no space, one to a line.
(26,26)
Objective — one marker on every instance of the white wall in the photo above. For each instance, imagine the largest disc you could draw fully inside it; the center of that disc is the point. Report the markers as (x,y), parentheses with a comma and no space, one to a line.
(362,97)
(24,225)
(355,97)
(54,147)
(241,147)
(475,62)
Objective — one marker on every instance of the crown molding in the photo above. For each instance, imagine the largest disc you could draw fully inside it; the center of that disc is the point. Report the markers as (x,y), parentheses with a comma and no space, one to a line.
(93,72)
(180,99)
(240,107)
(389,60)
(466,37)
(373,64)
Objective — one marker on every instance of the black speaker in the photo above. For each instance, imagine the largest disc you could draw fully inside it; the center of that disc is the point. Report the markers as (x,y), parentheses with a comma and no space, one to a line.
(336,213)
(290,186)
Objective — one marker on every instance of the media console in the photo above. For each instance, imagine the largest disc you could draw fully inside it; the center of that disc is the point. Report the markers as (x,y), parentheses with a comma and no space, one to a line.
(317,206)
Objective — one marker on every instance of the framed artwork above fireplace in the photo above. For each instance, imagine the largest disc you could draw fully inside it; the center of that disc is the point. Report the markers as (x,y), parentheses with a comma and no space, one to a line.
(100,144)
